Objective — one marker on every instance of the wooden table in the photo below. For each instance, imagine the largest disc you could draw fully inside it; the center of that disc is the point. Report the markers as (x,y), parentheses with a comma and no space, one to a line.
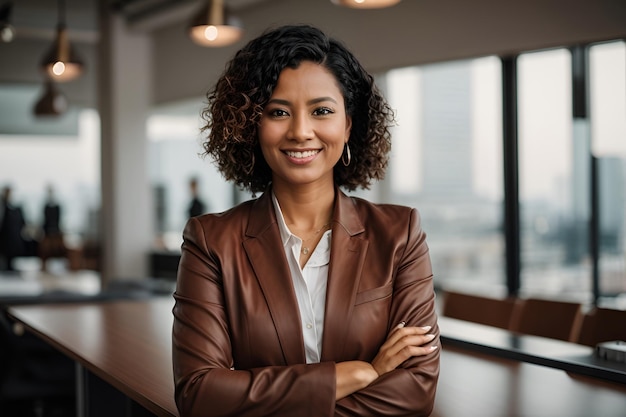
(481,385)
(127,344)
(570,357)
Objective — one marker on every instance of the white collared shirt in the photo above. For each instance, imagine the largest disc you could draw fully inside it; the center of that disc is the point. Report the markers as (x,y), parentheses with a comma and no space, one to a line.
(309,284)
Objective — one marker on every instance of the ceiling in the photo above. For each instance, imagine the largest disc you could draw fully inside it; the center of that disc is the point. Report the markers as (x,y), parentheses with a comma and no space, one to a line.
(36,19)
(35,23)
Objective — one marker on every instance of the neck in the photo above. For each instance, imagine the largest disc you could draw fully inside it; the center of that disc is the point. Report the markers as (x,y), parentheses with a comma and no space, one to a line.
(306,210)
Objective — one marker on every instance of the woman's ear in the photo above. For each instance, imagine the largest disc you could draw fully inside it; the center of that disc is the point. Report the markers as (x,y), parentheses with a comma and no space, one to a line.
(348,127)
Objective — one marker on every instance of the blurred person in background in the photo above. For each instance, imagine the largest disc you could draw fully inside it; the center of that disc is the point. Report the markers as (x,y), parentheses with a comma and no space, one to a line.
(52,243)
(12,225)
(196,205)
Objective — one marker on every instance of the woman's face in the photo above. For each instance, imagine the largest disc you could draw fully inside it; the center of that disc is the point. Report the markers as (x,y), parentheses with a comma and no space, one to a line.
(304,126)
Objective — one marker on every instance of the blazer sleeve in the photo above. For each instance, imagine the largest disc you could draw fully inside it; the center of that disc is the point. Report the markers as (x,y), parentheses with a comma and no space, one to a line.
(410,389)
(206,384)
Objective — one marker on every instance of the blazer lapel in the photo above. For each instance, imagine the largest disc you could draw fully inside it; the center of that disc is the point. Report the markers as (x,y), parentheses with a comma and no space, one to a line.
(264,250)
(348,250)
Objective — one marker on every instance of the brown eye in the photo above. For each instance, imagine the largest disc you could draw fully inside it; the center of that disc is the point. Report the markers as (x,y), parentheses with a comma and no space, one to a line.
(278,113)
(322,111)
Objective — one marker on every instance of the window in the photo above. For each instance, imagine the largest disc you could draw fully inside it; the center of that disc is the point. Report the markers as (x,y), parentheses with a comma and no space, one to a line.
(446,161)
(554,178)
(607,68)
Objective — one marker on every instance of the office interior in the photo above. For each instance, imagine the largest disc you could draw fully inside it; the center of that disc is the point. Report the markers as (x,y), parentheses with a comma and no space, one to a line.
(511,119)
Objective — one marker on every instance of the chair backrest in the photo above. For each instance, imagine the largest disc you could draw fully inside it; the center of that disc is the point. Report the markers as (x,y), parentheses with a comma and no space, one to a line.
(547,318)
(478,309)
(602,325)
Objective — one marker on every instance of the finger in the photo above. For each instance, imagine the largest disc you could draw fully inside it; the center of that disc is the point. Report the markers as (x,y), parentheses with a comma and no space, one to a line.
(409,341)
(390,362)
(403,328)
(400,331)
(412,351)
(389,352)
(395,334)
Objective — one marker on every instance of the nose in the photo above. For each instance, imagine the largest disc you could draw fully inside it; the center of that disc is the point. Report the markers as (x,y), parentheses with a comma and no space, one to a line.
(301,128)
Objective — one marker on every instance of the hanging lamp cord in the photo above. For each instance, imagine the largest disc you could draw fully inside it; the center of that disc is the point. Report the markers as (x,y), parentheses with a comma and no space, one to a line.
(61,13)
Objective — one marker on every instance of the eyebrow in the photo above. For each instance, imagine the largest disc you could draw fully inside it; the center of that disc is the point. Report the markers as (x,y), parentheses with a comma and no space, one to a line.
(312,101)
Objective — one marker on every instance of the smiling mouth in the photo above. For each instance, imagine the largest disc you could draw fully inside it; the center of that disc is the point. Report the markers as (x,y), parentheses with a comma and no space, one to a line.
(301,155)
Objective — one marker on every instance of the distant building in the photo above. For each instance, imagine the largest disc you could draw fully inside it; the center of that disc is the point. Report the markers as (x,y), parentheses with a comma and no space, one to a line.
(447,131)
(612,188)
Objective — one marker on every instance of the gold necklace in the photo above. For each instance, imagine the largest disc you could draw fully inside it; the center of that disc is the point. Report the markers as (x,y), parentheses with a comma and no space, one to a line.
(305,249)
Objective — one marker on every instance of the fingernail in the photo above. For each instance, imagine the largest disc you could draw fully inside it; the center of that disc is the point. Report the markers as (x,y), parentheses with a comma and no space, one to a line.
(401,324)
(433,347)
(430,336)
(427,328)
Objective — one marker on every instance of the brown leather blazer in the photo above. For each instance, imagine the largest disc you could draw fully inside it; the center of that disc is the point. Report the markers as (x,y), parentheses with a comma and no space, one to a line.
(237,340)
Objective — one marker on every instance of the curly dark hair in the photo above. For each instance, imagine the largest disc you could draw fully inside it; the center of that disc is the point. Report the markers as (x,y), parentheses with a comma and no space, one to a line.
(236,103)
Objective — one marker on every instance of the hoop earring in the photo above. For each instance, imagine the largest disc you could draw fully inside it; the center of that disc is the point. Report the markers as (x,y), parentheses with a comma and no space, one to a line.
(343,156)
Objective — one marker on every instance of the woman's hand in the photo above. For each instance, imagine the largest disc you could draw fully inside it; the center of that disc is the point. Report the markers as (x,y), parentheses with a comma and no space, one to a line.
(402,344)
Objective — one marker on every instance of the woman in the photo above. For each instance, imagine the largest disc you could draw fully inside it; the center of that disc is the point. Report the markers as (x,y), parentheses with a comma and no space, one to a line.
(303,302)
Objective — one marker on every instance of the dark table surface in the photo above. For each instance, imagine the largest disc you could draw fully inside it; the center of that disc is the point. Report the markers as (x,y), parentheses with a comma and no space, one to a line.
(127,343)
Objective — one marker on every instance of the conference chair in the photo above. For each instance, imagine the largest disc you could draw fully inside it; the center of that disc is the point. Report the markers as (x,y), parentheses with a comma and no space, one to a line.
(478,309)
(602,325)
(547,318)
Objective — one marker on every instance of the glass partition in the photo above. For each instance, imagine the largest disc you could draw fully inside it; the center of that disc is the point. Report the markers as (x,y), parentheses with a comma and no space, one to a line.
(175,147)
(62,167)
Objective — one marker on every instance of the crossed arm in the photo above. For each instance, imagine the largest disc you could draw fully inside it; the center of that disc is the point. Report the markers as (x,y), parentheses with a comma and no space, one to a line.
(400,380)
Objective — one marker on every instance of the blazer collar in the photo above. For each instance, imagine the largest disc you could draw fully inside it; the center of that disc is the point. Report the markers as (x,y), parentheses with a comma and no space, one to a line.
(265,252)
(347,256)
(264,248)
(345,215)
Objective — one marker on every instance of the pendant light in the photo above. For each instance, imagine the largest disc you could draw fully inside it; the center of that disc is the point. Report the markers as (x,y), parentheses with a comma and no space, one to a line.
(366,4)
(61,63)
(213,26)
(51,103)
(7,31)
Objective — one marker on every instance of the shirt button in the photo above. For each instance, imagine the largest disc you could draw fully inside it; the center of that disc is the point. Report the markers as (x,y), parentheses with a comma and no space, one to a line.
(309,326)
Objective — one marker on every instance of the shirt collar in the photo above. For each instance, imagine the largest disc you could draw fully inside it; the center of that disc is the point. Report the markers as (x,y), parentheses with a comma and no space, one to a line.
(321,255)
(285,233)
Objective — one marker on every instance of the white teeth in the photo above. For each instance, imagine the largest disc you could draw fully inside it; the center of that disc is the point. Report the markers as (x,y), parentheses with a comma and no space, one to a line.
(304,154)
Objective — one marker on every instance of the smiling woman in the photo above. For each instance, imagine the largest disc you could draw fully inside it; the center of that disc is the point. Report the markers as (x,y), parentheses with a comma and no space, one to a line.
(240,96)
(304,127)
(305,300)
